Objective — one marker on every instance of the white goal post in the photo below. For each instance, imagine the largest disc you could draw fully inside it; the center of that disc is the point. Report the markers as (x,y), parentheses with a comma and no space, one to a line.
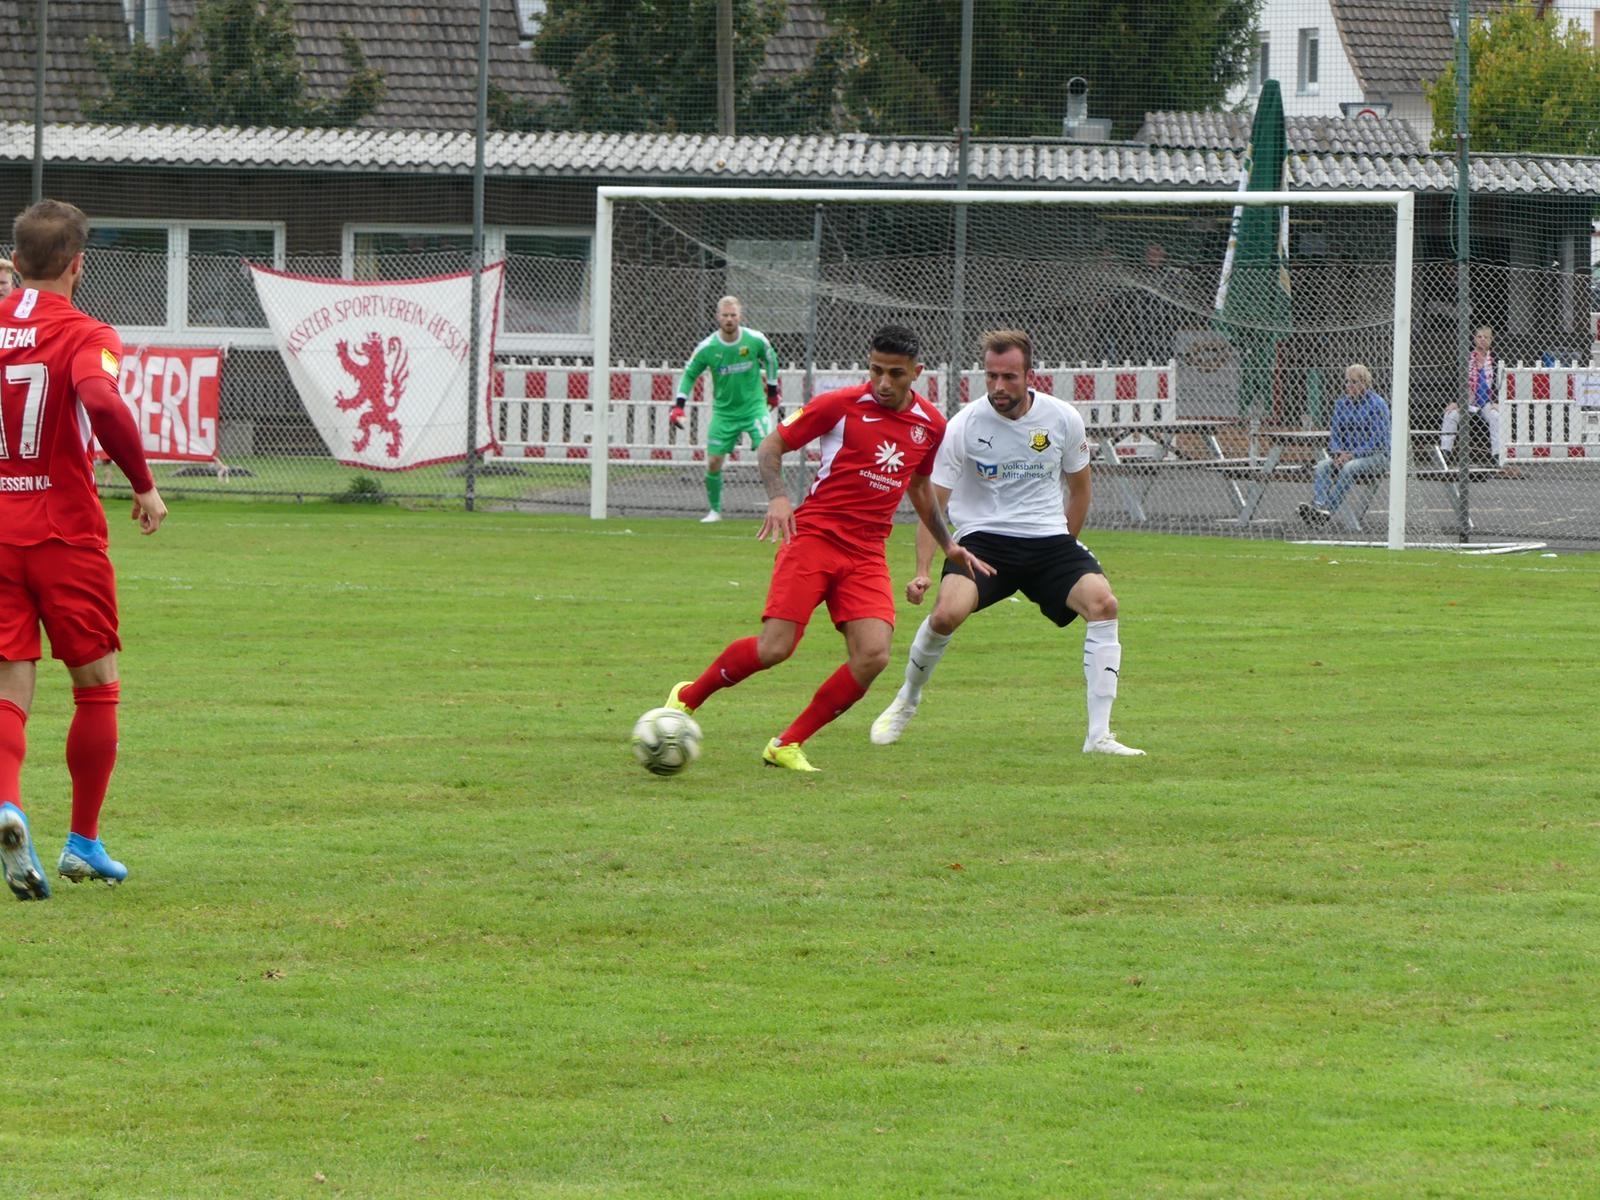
(1109,207)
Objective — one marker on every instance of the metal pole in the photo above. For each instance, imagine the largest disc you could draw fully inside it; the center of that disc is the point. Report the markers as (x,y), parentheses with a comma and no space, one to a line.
(38,104)
(1463,270)
(600,381)
(958,282)
(1400,379)
(810,389)
(802,471)
(475,330)
(725,67)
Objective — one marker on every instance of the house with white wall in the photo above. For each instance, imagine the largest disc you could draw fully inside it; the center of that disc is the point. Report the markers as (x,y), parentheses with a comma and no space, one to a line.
(1333,57)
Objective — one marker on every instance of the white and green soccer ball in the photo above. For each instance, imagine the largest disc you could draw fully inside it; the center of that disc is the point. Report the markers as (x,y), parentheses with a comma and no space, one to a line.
(665,741)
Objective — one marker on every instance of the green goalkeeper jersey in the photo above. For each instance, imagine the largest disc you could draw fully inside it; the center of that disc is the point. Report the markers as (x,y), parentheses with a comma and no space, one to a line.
(736,367)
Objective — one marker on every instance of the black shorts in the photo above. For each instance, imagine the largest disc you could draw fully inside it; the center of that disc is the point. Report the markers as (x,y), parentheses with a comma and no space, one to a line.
(1044,569)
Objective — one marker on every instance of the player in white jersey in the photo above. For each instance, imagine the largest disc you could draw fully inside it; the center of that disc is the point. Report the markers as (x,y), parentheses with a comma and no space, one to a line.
(1000,471)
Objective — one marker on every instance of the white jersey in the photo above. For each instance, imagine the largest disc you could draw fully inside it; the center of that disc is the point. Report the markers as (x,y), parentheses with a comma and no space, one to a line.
(1004,476)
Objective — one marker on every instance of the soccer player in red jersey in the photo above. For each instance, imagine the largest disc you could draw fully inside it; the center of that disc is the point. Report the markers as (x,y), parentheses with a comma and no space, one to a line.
(878,442)
(58,383)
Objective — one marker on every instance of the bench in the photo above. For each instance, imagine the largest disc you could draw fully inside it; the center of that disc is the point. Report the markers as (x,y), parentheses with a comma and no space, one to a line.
(1130,414)
(1134,477)
(1452,475)
(1247,479)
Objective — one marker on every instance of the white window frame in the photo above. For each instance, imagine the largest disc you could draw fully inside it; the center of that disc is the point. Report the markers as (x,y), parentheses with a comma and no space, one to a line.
(1310,51)
(530,18)
(494,250)
(1260,64)
(177,331)
(152,31)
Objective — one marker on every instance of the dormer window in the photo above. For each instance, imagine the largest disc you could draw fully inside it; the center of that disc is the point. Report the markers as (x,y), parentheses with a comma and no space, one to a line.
(530,17)
(1260,65)
(1310,40)
(150,20)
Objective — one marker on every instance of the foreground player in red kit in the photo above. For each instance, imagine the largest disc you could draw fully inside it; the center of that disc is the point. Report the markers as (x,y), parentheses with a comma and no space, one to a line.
(878,442)
(58,382)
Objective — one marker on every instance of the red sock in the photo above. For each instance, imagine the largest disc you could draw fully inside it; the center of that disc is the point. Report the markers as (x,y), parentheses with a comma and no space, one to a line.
(13,749)
(91,753)
(837,693)
(738,662)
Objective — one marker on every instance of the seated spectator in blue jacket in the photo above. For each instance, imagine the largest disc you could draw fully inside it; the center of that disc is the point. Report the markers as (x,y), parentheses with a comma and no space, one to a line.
(1358,445)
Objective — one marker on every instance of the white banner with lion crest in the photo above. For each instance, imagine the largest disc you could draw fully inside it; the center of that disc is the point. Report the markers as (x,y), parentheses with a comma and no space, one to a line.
(382,365)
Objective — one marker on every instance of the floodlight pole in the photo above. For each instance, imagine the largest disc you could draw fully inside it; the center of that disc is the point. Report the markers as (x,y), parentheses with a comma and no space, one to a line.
(475,331)
(1463,270)
(38,104)
(725,125)
(810,388)
(1400,374)
(958,281)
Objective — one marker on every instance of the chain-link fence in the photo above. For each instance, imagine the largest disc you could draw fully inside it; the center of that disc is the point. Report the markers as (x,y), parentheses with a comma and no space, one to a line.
(360,167)
(1101,291)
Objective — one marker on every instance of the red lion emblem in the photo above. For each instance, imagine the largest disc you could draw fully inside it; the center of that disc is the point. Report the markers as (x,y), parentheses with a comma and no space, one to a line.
(371,394)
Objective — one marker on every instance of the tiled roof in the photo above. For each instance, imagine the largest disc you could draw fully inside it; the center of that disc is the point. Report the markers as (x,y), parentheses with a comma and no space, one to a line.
(68,69)
(839,160)
(1399,48)
(1305,135)
(793,47)
(427,54)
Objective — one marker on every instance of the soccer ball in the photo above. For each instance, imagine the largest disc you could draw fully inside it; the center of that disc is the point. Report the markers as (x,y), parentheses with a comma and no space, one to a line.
(665,741)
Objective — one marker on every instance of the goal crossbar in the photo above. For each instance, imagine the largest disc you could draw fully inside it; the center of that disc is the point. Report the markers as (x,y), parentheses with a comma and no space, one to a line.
(1403,204)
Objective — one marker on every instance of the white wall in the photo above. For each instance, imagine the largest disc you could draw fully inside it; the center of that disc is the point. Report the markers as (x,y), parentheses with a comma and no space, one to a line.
(1281,22)
(1581,12)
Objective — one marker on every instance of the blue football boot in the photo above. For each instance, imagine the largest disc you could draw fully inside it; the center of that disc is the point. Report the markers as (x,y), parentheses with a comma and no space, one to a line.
(24,875)
(85,858)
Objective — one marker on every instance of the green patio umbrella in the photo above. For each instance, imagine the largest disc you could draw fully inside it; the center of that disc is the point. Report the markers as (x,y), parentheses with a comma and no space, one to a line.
(1252,306)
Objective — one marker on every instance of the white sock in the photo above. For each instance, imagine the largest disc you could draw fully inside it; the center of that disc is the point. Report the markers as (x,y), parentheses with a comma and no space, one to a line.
(927,648)
(1102,666)
(1447,430)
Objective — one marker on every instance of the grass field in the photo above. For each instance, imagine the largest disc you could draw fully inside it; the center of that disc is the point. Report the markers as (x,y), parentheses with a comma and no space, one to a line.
(405,920)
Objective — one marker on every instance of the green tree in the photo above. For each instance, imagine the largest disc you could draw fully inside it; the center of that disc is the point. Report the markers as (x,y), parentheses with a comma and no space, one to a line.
(236,66)
(1534,89)
(646,67)
(1136,58)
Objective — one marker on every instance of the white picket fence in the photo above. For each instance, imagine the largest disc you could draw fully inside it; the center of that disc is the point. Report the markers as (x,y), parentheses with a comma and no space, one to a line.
(542,410)
(1549,414)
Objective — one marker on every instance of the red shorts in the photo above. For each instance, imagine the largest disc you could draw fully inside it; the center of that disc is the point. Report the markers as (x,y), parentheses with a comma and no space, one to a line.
(71,589)
(814,569)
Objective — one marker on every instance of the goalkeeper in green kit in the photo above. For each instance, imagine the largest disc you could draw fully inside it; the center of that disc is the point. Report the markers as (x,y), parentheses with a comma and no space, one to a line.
(737,357)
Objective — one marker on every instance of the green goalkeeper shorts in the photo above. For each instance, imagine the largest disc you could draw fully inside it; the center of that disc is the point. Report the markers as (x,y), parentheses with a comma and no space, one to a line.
(725,432)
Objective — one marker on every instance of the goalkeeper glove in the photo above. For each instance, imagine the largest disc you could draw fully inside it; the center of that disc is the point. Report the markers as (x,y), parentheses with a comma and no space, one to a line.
(676,416)
(772,395)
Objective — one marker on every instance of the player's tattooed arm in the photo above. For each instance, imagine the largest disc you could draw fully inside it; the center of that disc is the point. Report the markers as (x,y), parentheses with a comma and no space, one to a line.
(928,507)
(779,521)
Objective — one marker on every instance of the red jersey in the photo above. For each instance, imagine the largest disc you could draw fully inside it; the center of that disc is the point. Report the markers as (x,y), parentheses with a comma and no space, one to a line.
(56,363)
(869,454)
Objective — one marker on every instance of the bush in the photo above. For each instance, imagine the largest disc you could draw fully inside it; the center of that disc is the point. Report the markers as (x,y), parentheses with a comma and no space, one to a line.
(363,489)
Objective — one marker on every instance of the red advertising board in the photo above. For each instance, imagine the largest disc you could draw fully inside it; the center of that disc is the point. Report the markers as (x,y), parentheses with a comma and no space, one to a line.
(174,394)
